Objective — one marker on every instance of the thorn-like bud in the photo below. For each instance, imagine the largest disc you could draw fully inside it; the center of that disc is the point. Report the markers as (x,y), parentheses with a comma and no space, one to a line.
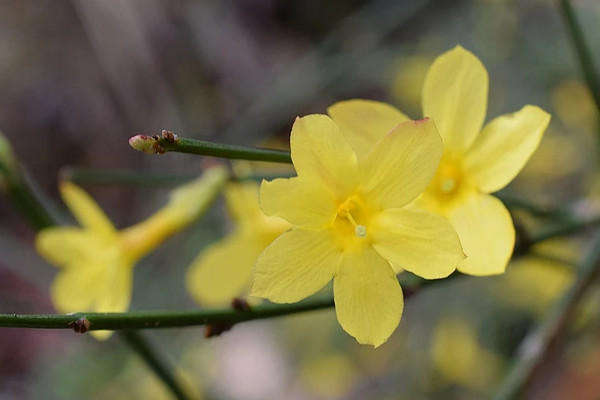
(169,136)
(240,304)
(216,329)
(82,325)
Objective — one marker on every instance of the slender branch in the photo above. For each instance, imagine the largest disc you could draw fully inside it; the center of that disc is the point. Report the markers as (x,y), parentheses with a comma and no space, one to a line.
(141,346)
(169,142)
(17,190)
(537,344)
(536,209)
(156,319)
(583,51)
(95,176)
(565,228)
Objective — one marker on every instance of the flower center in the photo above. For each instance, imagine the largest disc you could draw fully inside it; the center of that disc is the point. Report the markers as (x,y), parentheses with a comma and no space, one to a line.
(448,178)
(345,211)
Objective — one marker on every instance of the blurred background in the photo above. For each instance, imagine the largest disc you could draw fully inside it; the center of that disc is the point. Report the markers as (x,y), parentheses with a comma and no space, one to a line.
(78,78)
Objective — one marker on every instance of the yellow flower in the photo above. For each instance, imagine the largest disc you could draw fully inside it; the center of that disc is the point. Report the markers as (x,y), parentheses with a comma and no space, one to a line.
(474,163)
(349,227)
(222,271)
(96,260)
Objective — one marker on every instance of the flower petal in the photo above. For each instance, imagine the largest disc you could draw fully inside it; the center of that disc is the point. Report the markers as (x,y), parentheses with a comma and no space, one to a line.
(115,288)
(222,271)
(296,265)
(242,200)
(63,245)
(487,235)
(504,146)
(85,210)
(455,96)
(75,288)
(364,122)
(400,166)
(321,153)
(368,297)
(422,243)
(300,201)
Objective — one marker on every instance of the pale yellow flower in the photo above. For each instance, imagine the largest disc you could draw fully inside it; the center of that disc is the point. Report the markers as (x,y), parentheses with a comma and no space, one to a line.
(349,225)
(96,260)
(224,270)
(474,163)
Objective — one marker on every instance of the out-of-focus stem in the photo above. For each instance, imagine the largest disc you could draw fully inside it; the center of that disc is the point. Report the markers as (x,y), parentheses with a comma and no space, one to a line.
(143,349)
(586,63)
(537,344)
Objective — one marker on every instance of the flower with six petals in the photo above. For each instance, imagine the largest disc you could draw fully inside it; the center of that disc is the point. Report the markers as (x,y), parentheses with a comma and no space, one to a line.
(349,224)
(96,260)
(474,163)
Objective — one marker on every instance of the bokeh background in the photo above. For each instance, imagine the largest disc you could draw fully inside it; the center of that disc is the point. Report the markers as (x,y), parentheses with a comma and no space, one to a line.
(79,77)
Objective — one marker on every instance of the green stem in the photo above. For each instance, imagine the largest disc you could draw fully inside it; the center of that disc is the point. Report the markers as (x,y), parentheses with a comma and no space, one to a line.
(19,193)
(157,319)
(538,343)
(141,346)
(514,202)
(93,176)
(583,52)
(564,228)
(200,147)
(169,142)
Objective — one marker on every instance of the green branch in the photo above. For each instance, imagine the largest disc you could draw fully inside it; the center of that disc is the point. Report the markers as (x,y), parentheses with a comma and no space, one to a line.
(82,322)
(538,343)
(169,142)
(114,177)
(583,51)
(137,342)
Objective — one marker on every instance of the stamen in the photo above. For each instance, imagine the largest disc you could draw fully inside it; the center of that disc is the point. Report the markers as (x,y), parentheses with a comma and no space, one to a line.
(360,231)
(448,185)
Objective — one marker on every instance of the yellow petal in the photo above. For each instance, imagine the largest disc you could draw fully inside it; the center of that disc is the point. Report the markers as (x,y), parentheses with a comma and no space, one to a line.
(191,200)
(242,200)
(368,297)
(186,204)
(364,122)
(422,243)
(455,96)
(115,288)
(296,265)
(223,271)
(298,200)
(76,288)
(487,235)
(504,146)
(63,245)
(85,210)
(400,166)
(321,153)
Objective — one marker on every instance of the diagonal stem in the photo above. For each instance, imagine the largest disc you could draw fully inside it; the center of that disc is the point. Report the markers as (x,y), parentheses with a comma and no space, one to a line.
(144,349)
(583,51)
(538,343)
